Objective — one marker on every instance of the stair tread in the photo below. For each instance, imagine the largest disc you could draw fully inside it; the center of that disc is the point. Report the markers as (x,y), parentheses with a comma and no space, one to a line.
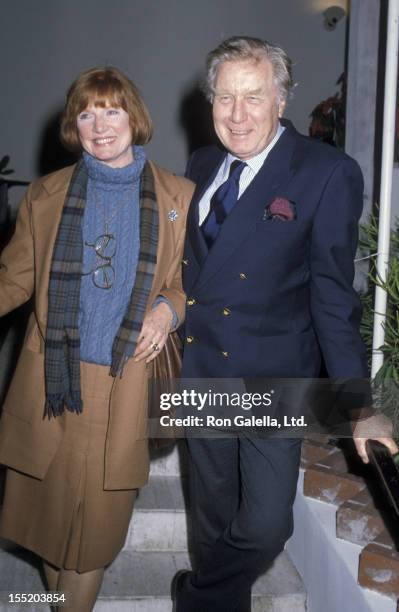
(136,575)
(170,461)
(162,493)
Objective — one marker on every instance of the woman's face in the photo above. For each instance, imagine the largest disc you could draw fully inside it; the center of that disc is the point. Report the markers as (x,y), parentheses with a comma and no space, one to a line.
(105,133)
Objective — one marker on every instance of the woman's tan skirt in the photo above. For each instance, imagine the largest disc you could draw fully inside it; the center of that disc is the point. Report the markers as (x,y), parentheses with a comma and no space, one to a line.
(68,518)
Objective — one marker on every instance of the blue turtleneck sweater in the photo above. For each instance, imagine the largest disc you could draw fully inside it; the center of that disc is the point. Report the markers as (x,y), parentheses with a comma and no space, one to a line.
(113,197)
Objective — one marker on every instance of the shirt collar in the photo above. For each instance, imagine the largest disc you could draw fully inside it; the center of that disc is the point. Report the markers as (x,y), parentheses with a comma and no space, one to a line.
(255,163)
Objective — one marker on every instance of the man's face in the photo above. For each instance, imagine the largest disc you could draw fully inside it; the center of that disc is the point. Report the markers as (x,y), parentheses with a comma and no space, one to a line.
(246,107)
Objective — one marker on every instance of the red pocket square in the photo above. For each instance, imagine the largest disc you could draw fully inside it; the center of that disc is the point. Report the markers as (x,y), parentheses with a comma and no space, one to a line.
(280,208)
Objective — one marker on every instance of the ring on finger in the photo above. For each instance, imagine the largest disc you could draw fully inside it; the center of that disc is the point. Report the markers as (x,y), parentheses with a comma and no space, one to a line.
(154,346)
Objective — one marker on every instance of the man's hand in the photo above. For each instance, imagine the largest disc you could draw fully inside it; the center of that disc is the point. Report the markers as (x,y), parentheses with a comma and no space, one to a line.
(154,332)
(377,427)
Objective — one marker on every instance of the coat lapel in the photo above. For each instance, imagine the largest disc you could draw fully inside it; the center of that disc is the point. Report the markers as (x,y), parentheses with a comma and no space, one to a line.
(194,233)
(46,216)
(272,178)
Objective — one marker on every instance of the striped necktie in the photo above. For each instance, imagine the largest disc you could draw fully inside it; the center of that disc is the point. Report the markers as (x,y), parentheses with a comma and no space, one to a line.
(222,202)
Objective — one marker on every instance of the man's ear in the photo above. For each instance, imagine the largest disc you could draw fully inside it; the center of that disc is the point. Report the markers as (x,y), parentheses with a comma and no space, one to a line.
(281,108)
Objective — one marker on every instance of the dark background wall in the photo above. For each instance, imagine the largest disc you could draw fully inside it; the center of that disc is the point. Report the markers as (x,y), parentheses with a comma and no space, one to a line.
(161,44)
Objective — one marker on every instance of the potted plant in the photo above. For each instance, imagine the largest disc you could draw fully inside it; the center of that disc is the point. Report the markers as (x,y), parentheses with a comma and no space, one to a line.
(386,381)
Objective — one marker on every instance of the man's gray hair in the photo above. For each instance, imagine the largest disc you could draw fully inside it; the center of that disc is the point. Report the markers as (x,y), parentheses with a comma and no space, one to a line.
(238,48)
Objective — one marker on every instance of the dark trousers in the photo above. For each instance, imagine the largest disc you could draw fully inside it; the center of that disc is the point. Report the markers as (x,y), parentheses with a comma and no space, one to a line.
(241,494)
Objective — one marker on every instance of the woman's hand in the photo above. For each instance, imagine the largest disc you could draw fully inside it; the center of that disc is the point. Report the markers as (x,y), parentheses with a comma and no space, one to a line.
(156,327)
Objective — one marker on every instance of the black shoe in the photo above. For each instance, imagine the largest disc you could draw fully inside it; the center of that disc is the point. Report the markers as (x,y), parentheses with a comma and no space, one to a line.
(177,584)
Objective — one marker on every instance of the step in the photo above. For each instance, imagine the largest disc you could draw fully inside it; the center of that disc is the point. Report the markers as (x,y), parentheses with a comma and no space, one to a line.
(327,564)
(140,582)
(170,461)
(19,573)
(159,521)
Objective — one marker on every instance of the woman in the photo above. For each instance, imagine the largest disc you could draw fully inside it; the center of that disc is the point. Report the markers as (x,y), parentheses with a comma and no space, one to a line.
(99,246)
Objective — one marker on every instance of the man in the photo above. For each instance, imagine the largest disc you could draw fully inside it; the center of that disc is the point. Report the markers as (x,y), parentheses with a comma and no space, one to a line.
(268,271)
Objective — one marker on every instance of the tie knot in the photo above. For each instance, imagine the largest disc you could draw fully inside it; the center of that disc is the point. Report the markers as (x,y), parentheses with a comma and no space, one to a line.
(236,168)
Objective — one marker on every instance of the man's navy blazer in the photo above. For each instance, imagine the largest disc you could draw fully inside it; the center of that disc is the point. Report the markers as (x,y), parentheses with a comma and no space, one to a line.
(272,295)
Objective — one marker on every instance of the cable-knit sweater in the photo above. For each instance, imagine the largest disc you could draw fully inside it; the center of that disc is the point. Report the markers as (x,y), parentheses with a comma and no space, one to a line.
(113,196)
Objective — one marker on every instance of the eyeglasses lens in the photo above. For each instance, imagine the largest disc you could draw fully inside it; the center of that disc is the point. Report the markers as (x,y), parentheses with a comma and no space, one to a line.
(104,277)
(105,246)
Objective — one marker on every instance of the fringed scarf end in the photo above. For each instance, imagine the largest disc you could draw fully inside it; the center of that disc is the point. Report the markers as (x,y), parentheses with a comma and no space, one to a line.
(73,402)
(56,403)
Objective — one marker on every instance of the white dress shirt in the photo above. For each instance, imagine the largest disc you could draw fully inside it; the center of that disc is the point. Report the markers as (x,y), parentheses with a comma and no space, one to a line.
(247,175)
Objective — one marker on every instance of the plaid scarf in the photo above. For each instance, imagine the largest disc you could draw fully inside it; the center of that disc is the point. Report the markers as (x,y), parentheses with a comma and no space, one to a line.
(62,346)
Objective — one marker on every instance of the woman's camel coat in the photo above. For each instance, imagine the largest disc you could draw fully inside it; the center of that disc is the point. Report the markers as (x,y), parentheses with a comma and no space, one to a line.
(28,442)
